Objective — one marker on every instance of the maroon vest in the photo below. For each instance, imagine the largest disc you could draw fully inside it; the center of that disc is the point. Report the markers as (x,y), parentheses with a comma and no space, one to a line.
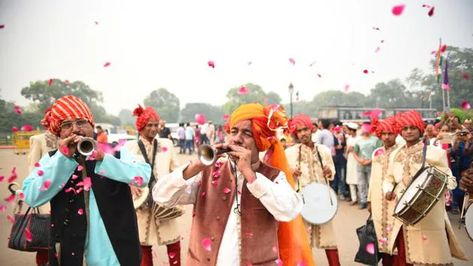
(259,237)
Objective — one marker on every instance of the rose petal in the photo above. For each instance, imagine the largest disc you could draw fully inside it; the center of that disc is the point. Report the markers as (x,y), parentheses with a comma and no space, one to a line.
(465,105)
(17,109)
(443,48)
(397,10)
(292,61)
(431,11)
(3,208)
(214,182)
(2,26)
(87,183)
(138,181)
(37,165)
(346,88)
(107,64)
(10,198)
(383,240)
(379,152)
(206,244)
(227,190)
(74,177)
(164,149)
(243,90)
(20,195)
(14,129)
(211,64)
(64,149)
(27,128)
(70,189)
(375,28)
(172,255)
(365,71)
(2,177)
(377,49)
(46,185)
(28,235)
(40,172)
(370,248)
(50,81)
(319,75)
(80,167)
(80,211)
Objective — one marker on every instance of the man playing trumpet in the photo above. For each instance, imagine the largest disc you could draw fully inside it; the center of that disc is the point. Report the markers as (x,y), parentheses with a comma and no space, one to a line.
(304,161)
(239,200)
(158,152)
(92,213)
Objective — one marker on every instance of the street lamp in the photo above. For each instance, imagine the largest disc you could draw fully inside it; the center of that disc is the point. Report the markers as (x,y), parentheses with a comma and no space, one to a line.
(291,91)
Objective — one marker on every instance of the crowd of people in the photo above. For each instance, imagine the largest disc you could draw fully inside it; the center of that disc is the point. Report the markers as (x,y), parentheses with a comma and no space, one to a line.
(247,204)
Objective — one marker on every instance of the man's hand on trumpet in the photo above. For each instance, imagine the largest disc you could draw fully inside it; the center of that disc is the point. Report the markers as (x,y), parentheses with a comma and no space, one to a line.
(242,156)
(68,145)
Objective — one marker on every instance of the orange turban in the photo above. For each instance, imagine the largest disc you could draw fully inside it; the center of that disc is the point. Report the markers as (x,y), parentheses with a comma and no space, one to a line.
(143,116)
(293,241)
(386,125)
(67,107)
(410,118)
(300,120)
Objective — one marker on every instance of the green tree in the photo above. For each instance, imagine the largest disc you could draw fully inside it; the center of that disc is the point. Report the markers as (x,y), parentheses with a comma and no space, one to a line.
(165,103)
(337,98)
(255,95)
(211,112)
(392,94)
(126,117)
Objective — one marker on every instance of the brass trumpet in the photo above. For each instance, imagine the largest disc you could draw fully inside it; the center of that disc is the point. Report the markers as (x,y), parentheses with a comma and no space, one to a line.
(208,154)
(86,146)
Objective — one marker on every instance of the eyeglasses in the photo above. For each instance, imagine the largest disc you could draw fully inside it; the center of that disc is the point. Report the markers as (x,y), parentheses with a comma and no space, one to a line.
(79,123)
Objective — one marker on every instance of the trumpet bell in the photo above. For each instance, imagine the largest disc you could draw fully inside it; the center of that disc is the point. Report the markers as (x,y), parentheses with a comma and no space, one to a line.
(208,154)
(86,146)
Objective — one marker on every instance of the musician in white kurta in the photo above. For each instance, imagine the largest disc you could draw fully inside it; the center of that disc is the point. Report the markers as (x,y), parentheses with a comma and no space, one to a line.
(153,231)
(431,241)
(304,160)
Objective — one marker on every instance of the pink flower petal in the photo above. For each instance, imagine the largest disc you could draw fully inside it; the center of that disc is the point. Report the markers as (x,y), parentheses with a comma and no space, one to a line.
(431,11)
(370,248)
(11,219)
(50,81)
(74,177)
(3,208)
(80,167)
(40,172)
(214,182)
(375,28)
(379,152)
(227,190)
(465,105)
(365,71)
(138,181)
(206,244)
(10,198)
(164,149)
(443,48)
(87,183)
(64,149)
(14,129)
(37,165)
(377,49)
(243,90)
(383,240)
(28,235)
(17,109)
(27,128)
(292,61)
(1,178)
(20,194)
(107,64)
(70,189)
(13,175)
(46,185)
(172,255)
(2,26)
(211,64)
(80,211)
(397,10)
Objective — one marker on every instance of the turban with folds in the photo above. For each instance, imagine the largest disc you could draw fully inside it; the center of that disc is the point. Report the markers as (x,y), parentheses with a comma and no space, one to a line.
(300,120)
(66,108)
(386,125)
(143,116)
(410,118)
(293,239)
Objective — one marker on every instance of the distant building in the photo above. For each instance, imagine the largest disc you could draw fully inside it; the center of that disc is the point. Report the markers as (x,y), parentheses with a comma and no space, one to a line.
(359,113)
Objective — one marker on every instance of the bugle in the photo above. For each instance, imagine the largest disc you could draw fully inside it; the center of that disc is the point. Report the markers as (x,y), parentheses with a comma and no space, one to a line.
(86,146)
(208,154)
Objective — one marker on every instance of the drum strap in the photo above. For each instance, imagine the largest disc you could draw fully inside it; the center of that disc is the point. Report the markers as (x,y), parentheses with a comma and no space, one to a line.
(325,178)
(424,154)
(145,156)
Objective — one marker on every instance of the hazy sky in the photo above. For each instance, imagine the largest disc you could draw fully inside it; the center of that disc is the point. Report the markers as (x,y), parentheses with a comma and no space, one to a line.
(154,44)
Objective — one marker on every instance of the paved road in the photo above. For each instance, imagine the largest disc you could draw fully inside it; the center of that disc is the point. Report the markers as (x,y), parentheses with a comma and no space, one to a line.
(347,220)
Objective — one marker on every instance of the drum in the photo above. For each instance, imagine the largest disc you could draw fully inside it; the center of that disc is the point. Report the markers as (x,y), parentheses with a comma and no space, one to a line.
(469,221)
(164,214)
(421,195)
(138,201)
(320,203)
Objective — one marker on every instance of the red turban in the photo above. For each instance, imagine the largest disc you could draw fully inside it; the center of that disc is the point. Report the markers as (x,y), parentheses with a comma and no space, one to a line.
(66,108)
(410,118)
(300,120)
(293,240)
(386,125)
(143,116)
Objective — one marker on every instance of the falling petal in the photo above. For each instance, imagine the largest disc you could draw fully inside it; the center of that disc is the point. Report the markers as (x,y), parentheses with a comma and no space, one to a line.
(27,128)
(292,61)
(370,248)
(443,48)
(74,177)
(206,244)
(2,177)
(383,240)
(211,64)
(382,41)
(40,172)
(375,28)
(17,109)
(14,129)
(424,5)
(319,75)
(249,63)
(96,22)
(227,190)
(37,165)
(3,208)
(214,182)
(365,71)
(107,64)
(2,26)
(70,189)
(172,255)
(379,152)
(20,195)
(346,88)
(13,175)
(87,183)
(377,49)
(243,90)
(138,181)
(397,10)
(80,167)
(164,149)
(80,211)
(466,75)
(46,185)
(50,81)
(431,11)
(10,198)
(465,105)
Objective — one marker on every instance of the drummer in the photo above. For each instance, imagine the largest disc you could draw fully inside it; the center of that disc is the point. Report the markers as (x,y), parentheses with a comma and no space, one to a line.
(380,208)
(466,182)
(431,240)
(305,164)
(152,231)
